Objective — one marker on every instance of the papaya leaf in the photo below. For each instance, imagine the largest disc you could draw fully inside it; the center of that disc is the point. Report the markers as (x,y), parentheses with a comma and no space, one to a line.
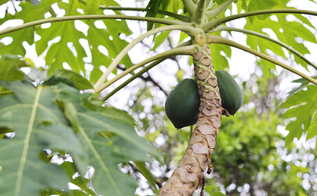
(147,174)
(110,40)
(9,70)
(294,30)
(302,106)
(108,139)
(261,5)
(160,39)
(92,6)
(68,49)
(303,83)
(152,9)
(71,78)
(109,3)
(60,52)
(28,13)
(3,1)
(79,181)
(219,61)
(38,124)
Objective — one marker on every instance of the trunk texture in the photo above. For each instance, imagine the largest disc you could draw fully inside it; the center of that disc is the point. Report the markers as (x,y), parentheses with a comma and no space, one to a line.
(196,159)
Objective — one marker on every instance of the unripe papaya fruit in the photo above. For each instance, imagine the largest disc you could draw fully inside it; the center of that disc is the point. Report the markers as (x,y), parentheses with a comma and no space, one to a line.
(230,92)
(182,104)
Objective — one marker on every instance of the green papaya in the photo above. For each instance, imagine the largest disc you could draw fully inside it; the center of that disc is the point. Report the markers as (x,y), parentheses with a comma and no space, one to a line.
(230,92)
(182,104)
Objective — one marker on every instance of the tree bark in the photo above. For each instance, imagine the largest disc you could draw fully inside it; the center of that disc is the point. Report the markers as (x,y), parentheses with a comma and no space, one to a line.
(189,173)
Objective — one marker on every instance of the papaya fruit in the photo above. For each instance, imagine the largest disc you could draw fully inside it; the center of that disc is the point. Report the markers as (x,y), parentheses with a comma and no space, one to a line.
(230,92)
(182,104)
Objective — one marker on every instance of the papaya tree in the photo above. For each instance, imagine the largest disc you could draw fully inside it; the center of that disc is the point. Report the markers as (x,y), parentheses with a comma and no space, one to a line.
(59,129)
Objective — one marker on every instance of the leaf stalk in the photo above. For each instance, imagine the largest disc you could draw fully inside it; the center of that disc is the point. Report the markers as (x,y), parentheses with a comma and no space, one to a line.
(186,50)
(221,40)
(191,30)
(90,17)
(214,23)
(226,28)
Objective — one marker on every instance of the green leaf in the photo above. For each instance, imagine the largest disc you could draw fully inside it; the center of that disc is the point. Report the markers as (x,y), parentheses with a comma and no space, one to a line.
(147,174)
(113,44)
(92,6)
(3,1)
(59,52)
(18,37)
(303,83)
(29,13)
(302,106)
(152,9)
(96,37)
(294,30)
(79,181)
(160,39)
(71,78)
(109,3)
(9,70)
(261,5)
(68,49)
(312,130)
(109,137)
(38,124)
(218,60)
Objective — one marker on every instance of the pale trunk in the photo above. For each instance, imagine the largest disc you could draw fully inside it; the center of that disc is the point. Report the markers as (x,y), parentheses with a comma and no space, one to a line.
(196,159)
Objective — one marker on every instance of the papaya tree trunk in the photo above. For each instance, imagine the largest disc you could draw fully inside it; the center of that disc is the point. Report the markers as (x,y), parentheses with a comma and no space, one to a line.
(189,173)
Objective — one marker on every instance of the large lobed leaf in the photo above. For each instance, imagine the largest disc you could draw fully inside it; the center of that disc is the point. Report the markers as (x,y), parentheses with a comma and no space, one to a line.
(109,137)
(60,118)
(285,30)
(68,49)
(28,14)
(38,124)
(301,111)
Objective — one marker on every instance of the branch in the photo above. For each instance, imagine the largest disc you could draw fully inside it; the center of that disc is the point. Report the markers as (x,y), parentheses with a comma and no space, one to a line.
(226,28)
(115,62)
(216,11)
(214,23)
(200,12)
(190,6)
(84,17)
(148,78)
(171,14)
(147,68)
(221,40)
(186,50)
(143,71)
